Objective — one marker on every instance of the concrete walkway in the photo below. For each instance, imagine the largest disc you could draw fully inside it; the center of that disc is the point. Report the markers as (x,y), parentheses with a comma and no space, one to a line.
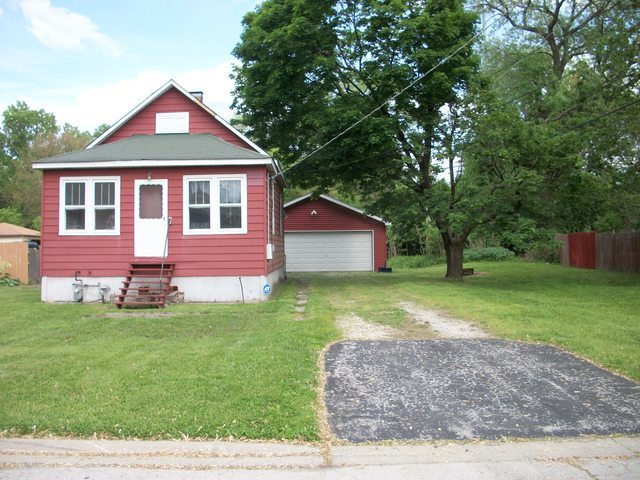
(53,459)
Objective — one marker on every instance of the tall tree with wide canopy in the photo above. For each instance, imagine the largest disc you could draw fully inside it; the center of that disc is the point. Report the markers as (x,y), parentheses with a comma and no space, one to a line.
(312,69)
(27,135)
(574,66)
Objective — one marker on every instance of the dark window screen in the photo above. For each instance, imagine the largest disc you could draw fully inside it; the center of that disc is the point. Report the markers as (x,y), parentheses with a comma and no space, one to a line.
(151,201)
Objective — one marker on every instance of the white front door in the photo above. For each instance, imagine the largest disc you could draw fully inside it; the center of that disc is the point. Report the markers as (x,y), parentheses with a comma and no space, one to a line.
(151,218)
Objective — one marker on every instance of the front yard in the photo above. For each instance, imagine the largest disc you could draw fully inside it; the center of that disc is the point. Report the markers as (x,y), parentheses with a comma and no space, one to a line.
(249,371)
(195,371)
(594,314)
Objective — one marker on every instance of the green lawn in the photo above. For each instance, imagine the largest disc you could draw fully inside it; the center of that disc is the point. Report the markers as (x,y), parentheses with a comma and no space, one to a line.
(208,371)
(250,370)
(592,313)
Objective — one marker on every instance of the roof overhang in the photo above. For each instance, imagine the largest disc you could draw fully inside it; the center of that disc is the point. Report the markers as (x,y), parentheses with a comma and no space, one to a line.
(271,164)
(336,202)
(18,238)
(155,163)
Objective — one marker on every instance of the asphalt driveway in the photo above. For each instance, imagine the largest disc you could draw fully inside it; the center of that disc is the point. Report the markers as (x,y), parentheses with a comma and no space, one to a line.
(471,389)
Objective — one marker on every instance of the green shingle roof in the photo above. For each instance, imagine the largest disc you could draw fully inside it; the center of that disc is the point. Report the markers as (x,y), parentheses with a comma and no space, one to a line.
(172,146)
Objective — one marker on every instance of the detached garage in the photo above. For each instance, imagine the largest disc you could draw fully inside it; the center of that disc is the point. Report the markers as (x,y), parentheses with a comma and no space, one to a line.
(326,235)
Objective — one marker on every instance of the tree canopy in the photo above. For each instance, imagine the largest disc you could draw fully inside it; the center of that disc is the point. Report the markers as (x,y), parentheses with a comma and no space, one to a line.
(400,101)
(28,135)
(311,70)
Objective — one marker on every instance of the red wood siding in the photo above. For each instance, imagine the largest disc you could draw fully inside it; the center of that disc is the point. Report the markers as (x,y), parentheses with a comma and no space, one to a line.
(277,237)
(200,121)
(332,217)
(582,249)
(193,255)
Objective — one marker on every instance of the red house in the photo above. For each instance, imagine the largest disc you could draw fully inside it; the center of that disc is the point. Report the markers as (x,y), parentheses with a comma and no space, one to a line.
(171,197)
(326,235)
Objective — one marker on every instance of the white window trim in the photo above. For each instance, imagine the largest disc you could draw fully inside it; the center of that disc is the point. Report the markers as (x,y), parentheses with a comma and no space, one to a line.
(172,122)
(215,205)
(89,206)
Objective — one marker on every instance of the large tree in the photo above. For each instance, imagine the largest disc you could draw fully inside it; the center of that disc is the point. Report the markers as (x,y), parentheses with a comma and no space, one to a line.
(312,69)
(28,135)
(572,65)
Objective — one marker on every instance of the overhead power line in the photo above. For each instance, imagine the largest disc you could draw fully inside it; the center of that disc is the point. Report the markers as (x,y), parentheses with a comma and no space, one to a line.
(496,73)
(389,100)
(606,114)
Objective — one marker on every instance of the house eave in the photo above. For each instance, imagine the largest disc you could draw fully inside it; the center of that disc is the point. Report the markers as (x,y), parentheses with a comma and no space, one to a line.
(336,202)
(154,163)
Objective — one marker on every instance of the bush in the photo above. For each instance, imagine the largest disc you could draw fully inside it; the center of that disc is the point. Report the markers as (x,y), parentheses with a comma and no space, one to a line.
(10,215)
(414,261)
(544,252)
(489,254)
(5,279)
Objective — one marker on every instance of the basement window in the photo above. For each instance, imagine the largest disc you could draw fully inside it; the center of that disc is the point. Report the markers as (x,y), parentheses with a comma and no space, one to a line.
(89,206)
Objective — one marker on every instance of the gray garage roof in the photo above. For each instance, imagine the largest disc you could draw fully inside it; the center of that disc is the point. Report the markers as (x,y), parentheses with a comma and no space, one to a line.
(175,148)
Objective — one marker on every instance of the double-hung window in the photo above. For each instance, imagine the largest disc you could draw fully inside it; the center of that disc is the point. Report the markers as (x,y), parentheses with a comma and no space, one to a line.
(200,205)
(90,206)
(215,204)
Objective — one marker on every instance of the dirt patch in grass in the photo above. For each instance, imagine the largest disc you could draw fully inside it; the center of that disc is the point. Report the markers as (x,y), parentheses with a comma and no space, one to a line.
(443,325)
(140,314)
(354,327)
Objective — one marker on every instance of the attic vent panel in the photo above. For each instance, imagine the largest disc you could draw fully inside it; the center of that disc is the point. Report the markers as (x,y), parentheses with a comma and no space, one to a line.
(172,122)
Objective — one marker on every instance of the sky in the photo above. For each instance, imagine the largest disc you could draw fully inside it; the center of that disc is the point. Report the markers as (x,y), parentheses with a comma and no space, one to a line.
(90,62)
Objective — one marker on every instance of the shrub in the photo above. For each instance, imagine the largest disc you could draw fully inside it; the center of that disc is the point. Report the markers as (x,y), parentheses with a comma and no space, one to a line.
(544,252)
(5,279)
(414,261)
(491,254)
(10,215)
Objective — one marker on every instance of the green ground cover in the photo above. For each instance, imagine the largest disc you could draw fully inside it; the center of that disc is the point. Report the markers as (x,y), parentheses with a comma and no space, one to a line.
(595,314)
(205,371)
(249,371)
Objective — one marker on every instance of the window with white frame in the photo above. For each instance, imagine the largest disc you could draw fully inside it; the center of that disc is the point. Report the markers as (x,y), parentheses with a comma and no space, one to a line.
(200,205)
(215,204)
(90,206)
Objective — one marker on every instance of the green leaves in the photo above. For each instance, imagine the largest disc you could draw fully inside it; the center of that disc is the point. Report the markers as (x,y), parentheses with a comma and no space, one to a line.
(21,125)
(28,135)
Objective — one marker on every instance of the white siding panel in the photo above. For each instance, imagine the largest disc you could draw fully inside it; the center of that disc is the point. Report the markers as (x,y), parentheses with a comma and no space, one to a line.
(172,122)
(329,251)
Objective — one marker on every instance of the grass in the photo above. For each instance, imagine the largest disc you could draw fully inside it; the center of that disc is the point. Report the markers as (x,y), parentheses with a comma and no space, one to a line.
(594,314)
(249,371)
(242,371)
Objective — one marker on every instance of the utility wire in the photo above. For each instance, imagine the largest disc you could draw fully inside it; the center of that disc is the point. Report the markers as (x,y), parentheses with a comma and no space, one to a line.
(389,100)
(496,73)
(606,114)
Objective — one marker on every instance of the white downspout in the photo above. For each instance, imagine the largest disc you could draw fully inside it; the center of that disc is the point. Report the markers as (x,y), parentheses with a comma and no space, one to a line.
(269,246)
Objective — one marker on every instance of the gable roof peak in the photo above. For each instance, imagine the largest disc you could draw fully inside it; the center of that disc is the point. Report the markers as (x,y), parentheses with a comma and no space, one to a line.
(335,201)
(193,96)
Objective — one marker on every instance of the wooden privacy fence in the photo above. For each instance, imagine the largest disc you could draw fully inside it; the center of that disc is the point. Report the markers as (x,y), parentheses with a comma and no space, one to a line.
(24,261)
(618,252)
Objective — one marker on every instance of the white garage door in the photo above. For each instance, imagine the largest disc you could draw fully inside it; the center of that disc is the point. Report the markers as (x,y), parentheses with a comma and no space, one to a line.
(329,251)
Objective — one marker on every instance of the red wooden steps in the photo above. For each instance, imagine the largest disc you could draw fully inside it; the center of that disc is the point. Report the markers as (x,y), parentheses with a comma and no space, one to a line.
(146,285)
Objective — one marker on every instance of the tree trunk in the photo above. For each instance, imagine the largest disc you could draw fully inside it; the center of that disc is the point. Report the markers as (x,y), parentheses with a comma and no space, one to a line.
(454,249)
